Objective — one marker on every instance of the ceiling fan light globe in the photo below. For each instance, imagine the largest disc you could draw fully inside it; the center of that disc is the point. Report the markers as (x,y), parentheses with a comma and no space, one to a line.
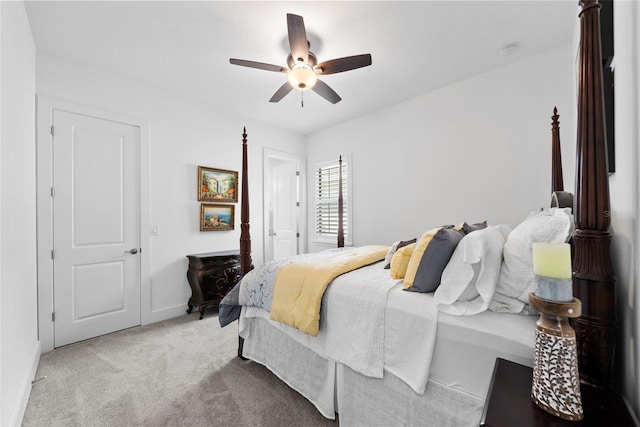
(302,77)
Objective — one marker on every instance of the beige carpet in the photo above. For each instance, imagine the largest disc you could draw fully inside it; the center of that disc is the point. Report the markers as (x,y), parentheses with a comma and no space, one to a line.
(181,372)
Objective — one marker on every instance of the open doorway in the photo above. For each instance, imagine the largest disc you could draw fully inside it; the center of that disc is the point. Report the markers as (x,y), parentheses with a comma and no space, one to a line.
(284,215)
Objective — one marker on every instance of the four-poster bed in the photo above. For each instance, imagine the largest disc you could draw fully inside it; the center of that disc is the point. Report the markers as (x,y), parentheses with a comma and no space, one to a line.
(454,393)
(594,281)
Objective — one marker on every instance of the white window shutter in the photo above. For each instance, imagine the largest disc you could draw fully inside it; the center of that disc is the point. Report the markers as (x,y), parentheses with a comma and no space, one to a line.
(326,194)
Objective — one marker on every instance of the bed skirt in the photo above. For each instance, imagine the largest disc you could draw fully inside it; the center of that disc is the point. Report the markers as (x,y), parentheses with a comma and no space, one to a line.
(365,401)
(299,367)
(360,400)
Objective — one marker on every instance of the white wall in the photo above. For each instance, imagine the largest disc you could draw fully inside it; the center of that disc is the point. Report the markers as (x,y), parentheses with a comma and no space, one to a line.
(182,135)
(625,199)
(1,110)
(18,290)
(477,149)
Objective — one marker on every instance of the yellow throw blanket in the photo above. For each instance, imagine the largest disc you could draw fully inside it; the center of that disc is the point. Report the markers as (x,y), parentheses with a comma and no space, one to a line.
(299,286)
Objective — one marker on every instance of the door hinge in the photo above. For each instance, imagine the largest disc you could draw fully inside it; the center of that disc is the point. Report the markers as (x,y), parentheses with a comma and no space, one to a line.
(298,204)
(297,173)
(53,316)
(51,130)
(298,235)
(51,191)
(51,253)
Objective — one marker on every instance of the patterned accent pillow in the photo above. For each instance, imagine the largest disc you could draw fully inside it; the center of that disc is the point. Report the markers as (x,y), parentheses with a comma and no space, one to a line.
(392,250)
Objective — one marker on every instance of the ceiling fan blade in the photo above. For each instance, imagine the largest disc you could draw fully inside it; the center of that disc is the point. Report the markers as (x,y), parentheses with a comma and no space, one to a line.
(258,65)
(297,38)
(281,93)
(323,89)
(347,63)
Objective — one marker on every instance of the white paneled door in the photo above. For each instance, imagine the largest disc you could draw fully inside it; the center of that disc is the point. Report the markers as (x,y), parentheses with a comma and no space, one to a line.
(285,210)
(96,230)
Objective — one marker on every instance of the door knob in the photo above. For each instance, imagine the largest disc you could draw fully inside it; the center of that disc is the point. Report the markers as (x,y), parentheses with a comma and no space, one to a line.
(132,251)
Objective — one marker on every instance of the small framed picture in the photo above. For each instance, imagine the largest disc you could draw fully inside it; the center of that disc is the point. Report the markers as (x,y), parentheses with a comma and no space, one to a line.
(217,185)
(215,217)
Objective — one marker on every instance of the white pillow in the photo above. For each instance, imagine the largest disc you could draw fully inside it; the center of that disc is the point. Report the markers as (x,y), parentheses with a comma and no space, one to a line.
(469,280)
(554,225)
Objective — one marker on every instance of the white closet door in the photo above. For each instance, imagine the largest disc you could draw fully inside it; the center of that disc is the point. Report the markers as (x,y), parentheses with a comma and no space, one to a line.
(96,226)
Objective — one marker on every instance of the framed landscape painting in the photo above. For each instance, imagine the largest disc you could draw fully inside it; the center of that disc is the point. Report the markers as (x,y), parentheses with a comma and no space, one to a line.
(214,217)
(217,185)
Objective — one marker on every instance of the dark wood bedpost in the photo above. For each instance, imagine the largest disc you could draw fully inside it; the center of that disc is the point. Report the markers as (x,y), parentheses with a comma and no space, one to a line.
(245,237)
(593,278)
(559,197)
(340,206)
(557,181)
(246,264)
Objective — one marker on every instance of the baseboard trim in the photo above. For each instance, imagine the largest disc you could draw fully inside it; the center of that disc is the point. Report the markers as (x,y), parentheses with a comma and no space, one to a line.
(25,389)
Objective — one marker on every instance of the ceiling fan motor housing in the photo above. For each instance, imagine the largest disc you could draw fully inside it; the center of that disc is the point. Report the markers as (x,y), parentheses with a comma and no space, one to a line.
(313,61)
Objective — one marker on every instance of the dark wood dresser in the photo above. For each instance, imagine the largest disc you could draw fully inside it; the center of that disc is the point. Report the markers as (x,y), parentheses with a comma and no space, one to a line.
(211,275)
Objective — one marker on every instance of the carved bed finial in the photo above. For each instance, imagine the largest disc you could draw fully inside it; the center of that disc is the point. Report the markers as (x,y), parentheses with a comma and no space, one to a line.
(557,181)
(593,278)
(559,197)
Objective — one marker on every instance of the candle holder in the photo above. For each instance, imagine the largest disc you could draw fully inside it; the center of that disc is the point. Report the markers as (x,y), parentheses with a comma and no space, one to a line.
(556,385)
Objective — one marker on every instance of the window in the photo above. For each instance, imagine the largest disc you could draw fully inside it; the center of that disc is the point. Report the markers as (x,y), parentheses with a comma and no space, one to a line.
(327,177)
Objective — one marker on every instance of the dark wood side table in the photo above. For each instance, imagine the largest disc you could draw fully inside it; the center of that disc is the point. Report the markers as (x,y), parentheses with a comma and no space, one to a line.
(509,403)
(211,275)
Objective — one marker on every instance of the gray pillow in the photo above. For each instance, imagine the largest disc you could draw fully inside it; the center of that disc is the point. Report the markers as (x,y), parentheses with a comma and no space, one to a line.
(434,260)
(468,228)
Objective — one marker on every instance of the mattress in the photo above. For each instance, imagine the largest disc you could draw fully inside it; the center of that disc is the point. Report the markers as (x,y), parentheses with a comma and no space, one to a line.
(465,346)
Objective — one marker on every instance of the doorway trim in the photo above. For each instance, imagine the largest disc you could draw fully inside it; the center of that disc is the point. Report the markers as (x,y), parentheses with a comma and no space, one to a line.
(268,155)
(44,222)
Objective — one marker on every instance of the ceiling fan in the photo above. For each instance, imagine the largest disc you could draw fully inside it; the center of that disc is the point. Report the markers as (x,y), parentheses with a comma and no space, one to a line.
(303,67)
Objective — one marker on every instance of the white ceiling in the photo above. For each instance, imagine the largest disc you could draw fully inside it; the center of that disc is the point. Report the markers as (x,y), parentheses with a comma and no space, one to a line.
(184,47)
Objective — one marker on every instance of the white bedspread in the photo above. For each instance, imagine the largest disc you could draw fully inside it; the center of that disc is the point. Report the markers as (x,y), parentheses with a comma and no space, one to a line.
(411,326)
(355,319)
(370,324)
(352,321)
